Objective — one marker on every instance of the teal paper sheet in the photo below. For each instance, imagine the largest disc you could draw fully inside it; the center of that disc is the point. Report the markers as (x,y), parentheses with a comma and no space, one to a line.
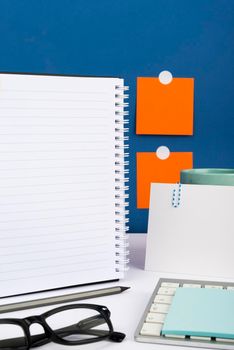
(201,312)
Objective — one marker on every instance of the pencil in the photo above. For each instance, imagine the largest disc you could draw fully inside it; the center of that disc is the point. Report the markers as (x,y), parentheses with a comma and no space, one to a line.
(30,304)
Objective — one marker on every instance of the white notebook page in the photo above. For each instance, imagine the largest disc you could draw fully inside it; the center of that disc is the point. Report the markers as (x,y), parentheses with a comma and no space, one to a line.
(57,207)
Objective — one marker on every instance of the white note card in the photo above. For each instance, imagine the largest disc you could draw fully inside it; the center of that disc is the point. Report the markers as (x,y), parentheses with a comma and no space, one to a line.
(197,236)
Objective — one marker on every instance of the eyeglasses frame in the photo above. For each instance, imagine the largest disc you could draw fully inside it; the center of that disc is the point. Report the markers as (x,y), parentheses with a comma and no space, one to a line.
(50,334)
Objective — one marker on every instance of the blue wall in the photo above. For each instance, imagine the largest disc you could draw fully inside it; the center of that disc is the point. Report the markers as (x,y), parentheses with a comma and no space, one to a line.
(130,38)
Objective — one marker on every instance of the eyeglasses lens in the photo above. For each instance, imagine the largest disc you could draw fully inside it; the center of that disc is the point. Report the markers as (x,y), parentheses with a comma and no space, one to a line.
(12,337)
(78,324)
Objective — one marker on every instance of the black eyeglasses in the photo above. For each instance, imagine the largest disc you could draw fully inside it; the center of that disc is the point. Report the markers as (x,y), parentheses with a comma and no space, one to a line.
(93,324)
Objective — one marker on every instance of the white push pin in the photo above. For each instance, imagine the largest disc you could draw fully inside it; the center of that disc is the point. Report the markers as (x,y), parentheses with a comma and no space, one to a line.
(165,77)
(163,152)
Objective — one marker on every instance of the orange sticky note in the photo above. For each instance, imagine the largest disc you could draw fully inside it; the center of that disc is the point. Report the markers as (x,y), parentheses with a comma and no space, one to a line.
(152,169)
(165,109)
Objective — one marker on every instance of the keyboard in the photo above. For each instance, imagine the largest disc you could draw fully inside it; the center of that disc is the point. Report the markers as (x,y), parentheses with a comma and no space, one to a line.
(149,329)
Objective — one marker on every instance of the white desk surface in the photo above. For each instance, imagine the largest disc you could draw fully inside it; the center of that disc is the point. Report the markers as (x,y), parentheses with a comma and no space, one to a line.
(126,308)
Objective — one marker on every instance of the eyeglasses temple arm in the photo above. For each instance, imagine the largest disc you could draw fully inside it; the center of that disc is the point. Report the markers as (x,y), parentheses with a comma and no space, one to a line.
(41,339)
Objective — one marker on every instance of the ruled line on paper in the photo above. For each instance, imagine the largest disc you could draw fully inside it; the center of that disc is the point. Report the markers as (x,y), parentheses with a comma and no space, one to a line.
(85,239)
(52,151)
(54,225)
(46,261)
(55,142)
(16,247)
(47,228)
(56,117)
(58,91)
(56,249)
(54,108)
(44,184)
(39,215)
(54,176)
(41,253)
(49,99)
(94,261)
(63,269)
(94,268)
(72,173)
(58,257)
(51,209)
(60,214)
(51,217)
(57,193)
(59,227)
(80,247)
(50,201)
(46,166)
(50,133)
(54,146)
(53,234)
(48,159)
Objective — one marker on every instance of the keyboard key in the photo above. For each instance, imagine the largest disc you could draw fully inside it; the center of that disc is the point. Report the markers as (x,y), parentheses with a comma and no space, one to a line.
(170,284)
(163,299)
(193,337)
(174,336)
(191,285)
(213,287)
(153,329)
(155,317)
(225,340)
(166,291)
(163,308)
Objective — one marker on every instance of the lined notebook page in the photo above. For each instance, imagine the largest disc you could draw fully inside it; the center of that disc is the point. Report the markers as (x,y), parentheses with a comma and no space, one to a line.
(57,207)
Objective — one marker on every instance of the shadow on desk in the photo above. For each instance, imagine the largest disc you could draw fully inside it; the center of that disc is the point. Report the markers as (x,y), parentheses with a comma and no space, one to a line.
(137,244)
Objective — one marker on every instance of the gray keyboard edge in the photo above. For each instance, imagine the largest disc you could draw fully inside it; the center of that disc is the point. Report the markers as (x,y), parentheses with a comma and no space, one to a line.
(210,344)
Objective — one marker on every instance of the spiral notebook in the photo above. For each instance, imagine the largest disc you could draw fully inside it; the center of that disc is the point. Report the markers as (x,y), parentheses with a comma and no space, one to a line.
(63,181)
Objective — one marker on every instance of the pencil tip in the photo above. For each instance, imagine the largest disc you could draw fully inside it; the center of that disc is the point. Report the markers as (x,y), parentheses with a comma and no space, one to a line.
(124,288)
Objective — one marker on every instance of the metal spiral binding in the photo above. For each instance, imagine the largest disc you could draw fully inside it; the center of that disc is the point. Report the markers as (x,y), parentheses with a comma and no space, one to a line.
(121,179)
(176,196)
